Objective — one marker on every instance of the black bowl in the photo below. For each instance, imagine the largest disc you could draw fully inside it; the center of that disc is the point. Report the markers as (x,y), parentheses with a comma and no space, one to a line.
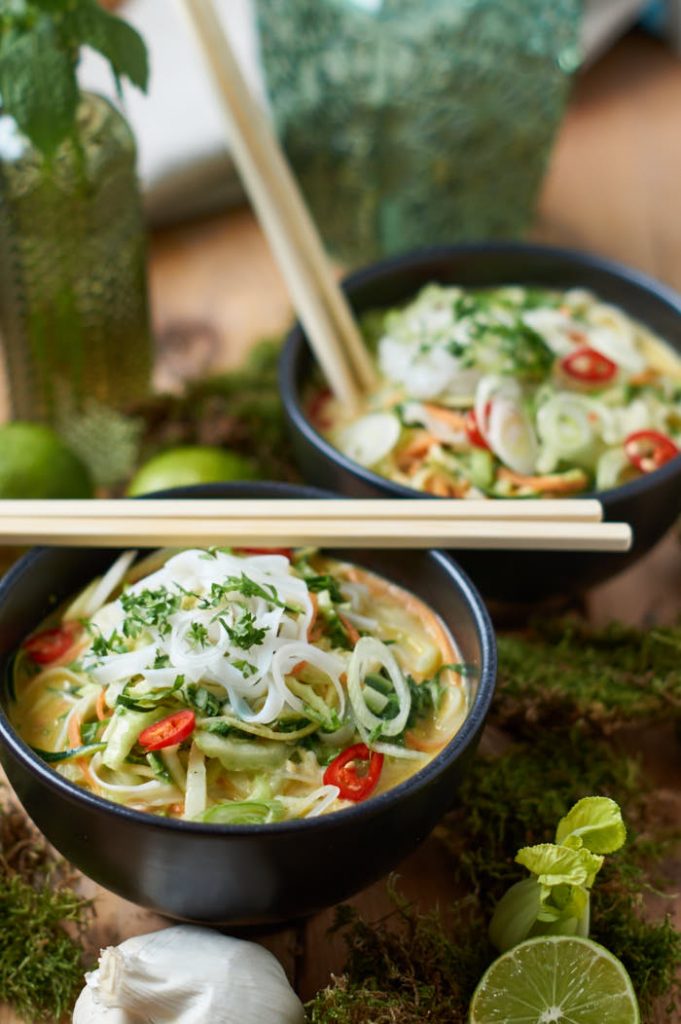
(650,504)
(241,875)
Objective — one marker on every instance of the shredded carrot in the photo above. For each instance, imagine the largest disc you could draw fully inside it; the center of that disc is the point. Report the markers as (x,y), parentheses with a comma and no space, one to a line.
(297,669)
(315,612)
(75,740)
(353,635)
(100,707)
(176,808)
(415,450)
(414,742)
(648,376)
(450,417)
(443,487)
(73,731)
(552,483)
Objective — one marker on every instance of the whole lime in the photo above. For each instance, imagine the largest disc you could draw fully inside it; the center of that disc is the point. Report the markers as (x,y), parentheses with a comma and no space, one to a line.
(36,463)
(192,464)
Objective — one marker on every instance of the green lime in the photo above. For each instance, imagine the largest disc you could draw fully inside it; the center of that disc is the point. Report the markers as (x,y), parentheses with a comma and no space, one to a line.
(35,463)
(555,979)
(193,464)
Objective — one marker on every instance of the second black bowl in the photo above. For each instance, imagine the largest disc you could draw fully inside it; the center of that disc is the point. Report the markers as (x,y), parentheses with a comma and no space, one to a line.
(650,504)
(241,875)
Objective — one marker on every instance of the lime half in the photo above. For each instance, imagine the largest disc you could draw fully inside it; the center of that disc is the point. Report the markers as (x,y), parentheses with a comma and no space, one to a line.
(556,979)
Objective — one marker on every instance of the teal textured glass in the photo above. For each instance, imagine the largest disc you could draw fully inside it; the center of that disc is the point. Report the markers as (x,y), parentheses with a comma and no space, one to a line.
(74,319)
(411,122)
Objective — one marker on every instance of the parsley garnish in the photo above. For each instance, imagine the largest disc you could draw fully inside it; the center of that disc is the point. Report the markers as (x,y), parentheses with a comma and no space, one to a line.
(114,645)
(149,608)
(244,633)
(197,635)
(245,668)
(319,583)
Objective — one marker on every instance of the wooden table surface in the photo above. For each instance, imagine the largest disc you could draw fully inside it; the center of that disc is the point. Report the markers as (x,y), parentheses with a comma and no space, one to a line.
(613,188)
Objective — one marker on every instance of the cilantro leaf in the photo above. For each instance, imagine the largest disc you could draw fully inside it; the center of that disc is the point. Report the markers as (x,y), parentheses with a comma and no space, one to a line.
(244,633)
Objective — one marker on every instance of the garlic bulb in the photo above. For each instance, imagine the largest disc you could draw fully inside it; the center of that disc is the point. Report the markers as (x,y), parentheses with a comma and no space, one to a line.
(187,975)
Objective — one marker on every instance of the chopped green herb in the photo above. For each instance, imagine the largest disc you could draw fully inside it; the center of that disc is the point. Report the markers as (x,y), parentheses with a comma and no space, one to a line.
(219,592)
(244,634)
(114,645)
(197,635)
(149,608)
(245,667)
(329,583)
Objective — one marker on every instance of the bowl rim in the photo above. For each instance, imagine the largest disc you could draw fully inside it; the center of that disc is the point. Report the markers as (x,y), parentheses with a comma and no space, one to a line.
(296,340)
(475,719)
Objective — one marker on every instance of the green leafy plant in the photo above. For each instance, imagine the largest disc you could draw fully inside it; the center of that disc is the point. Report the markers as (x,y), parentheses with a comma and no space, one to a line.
(40,43)
(555,899)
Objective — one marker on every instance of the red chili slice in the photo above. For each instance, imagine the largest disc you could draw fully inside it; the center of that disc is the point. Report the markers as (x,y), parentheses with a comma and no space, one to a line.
(344,772)
(286,552)
(168,731)
(588,366)
(649,449)
(473,430)
(51,644)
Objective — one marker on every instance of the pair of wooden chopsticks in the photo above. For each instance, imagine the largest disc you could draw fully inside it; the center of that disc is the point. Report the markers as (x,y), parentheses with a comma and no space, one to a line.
(319,302)
(527,525)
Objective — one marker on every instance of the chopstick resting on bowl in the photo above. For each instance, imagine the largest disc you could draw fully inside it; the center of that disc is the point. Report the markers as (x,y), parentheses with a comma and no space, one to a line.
(389,523)
(319,302)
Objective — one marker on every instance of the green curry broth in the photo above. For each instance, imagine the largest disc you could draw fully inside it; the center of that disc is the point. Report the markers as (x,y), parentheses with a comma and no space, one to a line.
(420,642)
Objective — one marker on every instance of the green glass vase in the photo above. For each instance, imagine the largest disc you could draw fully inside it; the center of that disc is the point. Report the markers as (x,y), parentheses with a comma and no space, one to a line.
(74,319)
(413,122)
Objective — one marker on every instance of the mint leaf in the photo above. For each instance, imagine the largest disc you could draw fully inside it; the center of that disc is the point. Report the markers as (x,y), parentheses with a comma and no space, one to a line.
(597,821)
(117,41)
(38,84)
(39,47)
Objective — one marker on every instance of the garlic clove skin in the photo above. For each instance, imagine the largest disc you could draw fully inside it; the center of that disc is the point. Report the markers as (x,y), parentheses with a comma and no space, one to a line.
(87,1011)
(189,975)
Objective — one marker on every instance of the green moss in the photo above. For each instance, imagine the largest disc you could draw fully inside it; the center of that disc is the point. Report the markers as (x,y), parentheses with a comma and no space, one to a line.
(41,965)
(414,967)
(563,671)
(406,969)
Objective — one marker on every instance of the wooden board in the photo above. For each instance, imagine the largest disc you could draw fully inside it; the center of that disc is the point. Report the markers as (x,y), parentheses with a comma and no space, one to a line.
(613,187)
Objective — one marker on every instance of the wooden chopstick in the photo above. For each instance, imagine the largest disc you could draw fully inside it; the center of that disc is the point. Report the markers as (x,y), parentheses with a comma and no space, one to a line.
(343,510)
(319,302)
(417,532)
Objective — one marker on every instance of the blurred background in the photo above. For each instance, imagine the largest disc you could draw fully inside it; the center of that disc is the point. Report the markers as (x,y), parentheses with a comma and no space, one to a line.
(184,163)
